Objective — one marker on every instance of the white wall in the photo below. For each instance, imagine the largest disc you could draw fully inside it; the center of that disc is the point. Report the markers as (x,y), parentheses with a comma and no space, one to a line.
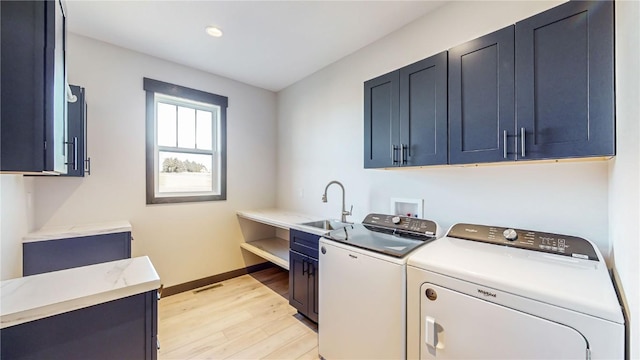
(321,138)
(185,241)
(624,170)
(16,220)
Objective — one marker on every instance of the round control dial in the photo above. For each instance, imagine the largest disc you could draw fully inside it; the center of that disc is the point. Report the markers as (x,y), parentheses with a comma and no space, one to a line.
(510,234)
(395,220)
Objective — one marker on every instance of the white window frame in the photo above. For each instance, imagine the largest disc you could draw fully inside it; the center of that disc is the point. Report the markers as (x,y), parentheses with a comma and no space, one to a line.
(160,92)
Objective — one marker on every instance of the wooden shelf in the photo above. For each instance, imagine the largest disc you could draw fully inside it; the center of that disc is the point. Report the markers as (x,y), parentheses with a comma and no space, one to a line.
(273,249)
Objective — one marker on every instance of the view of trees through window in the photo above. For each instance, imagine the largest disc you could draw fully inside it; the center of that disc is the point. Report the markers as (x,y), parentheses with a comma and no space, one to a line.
(175,165)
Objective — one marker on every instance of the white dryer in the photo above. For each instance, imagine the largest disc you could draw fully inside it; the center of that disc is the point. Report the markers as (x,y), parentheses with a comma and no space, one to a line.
(486,292)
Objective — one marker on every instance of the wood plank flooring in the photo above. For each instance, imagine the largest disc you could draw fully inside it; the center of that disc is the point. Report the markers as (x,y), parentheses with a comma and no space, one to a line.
(248,317)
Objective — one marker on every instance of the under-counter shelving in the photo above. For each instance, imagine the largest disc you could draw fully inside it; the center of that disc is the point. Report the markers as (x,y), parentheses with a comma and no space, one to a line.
(273,249)
(266,232)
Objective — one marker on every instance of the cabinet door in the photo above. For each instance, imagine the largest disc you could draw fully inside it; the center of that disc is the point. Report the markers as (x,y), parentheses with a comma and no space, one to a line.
(23,119)
(76,134)
(298,282)
(565,90)
(313,290)
(381,137)
(152,343)
(423,112)
(481,99)
(490,335)
(34,119)
(116,329)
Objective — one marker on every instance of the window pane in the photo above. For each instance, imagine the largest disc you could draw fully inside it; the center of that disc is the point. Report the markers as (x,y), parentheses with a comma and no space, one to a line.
(186,127)
(166,124)
(204,130)
(179,172)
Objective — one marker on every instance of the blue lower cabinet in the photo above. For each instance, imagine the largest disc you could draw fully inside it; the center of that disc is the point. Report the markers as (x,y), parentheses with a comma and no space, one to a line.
(60,254)
(120,329)
(303,273)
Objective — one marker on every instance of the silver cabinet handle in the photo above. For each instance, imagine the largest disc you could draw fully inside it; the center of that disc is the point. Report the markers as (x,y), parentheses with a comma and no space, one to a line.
(403,158)
(504,144)
(523,141)
(73,143)
(88,166)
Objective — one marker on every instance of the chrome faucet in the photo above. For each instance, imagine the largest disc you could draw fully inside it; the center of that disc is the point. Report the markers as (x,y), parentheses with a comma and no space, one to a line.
(344,213)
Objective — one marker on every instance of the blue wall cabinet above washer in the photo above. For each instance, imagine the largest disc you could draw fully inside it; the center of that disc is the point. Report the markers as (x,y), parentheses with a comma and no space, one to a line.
(381,119)
(405,115)
(481,99)
(565,82)
(423,112)
(34,108)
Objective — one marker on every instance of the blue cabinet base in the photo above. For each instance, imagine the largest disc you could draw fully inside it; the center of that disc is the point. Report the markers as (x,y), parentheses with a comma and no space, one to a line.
(60,254)
(303,270)
(121,329)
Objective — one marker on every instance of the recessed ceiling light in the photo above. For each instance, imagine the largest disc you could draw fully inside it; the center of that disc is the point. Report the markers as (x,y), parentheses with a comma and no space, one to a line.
(213,31)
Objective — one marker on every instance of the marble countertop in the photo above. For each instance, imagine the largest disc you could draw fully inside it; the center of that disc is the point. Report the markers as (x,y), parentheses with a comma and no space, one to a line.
(39,296)
(284,219)
(71,231)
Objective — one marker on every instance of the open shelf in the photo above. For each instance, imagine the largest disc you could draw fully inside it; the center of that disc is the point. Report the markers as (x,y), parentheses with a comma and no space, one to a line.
(273,249)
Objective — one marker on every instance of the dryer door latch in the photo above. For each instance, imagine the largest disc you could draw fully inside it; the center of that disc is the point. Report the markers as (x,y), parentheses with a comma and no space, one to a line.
(430,331)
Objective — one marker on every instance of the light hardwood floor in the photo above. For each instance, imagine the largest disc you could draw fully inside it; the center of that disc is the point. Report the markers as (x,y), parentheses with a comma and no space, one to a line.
(248,317)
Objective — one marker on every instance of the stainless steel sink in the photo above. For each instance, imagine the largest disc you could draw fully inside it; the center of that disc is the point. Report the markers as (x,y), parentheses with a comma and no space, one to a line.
(326,224)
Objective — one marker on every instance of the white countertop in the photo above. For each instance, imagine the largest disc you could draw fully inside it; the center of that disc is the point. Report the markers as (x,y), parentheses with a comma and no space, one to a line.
(39,296)
(71,231)
(277,217)
(284,219)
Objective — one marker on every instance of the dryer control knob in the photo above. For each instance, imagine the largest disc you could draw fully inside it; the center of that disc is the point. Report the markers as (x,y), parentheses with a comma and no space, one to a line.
(510,234)
(395,220)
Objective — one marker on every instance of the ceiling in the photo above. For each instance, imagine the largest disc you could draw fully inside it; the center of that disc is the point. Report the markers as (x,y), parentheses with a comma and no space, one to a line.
(268,44)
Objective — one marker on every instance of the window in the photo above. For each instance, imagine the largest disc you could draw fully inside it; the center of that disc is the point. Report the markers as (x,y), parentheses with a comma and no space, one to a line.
(186,144)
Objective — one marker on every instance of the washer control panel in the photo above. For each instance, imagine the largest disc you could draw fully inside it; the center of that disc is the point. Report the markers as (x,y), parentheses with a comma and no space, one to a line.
(526,239)
(402,224)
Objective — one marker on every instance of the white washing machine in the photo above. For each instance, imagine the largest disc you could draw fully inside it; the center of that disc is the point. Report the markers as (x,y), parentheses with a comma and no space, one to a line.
(362,286)
(486,292)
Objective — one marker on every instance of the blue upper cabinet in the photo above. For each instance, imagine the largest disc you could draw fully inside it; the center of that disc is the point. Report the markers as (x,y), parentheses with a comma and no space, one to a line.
(79,163)
(565,82)
(33,110)
(481,99)
(423,112)
(406,115)
(381,119)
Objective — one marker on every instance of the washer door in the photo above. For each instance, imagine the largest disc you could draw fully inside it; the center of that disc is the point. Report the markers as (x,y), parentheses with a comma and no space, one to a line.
(458,326)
